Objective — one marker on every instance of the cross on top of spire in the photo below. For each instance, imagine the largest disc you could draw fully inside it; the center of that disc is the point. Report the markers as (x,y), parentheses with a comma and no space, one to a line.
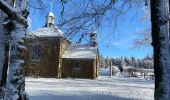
(51,5)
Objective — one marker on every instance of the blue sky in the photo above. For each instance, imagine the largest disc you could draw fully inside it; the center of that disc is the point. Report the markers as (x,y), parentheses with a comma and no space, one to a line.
(121,44)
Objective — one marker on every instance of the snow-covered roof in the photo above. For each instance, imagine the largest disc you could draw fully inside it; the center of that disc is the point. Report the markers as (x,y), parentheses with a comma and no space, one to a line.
(80,51)
(47,32)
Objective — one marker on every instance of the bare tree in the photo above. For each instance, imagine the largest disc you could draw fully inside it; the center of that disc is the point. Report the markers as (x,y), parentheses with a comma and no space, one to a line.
(144,38)
(160,32)
(86,15)
(14,24)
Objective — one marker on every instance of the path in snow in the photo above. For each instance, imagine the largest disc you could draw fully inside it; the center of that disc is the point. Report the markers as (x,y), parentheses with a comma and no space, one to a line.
(104,88)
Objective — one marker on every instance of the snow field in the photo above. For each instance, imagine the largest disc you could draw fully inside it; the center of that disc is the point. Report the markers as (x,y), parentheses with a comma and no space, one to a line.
(103,88)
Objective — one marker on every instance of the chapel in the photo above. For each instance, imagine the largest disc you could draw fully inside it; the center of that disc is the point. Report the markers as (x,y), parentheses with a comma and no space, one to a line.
(50,53)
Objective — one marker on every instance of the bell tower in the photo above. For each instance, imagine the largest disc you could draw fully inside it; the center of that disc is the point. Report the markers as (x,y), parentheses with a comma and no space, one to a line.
(50,19)
(93,38)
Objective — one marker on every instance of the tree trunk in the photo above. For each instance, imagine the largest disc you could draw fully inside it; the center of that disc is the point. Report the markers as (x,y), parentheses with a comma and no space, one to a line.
(5,65)
(15,25)
(160,32)
(2,54)
(16,79)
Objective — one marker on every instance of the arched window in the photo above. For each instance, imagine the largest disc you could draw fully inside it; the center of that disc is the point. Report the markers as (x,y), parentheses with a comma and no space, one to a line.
(36,53)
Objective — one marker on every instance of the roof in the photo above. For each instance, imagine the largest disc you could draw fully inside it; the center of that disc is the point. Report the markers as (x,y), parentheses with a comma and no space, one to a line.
(84,51)
(47,32)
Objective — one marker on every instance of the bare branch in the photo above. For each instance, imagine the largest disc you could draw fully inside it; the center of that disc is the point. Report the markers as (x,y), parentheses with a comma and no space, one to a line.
(35,7)
(11,12)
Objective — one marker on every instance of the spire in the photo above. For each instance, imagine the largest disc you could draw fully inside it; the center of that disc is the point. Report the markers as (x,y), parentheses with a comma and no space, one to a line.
(50,18)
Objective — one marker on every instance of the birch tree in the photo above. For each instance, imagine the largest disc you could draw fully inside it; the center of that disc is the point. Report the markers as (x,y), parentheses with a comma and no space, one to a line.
(14,23)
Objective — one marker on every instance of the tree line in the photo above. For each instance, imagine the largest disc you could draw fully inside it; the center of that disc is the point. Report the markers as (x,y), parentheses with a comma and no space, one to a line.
(146,62)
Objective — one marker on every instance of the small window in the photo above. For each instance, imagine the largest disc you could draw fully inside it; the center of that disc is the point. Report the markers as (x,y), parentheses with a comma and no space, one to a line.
(36,52)
(77,66)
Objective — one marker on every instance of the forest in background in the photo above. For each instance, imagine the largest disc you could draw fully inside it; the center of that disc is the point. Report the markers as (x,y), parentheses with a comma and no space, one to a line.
(129,67)
(146,62)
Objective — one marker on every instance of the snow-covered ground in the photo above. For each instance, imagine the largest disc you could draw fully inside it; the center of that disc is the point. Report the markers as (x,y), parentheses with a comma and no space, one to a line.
(103,88)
